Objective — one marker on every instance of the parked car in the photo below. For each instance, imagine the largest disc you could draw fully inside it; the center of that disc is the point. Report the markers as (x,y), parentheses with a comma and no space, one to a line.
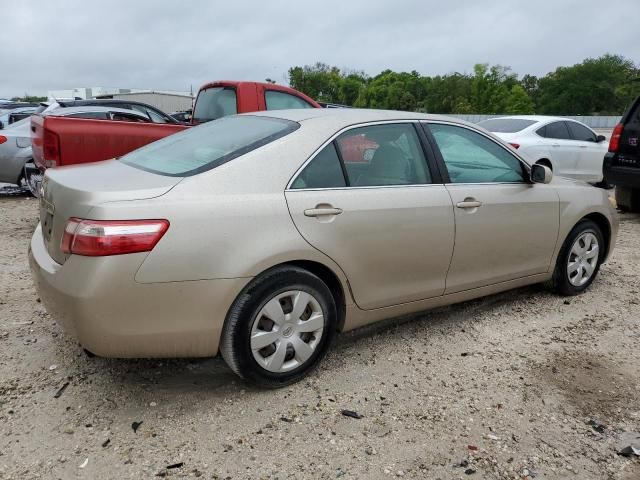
(16,155)
(622,162)
(152,113)
(11,115)
(569,148)
(73,141)
(251,236)
(183,116)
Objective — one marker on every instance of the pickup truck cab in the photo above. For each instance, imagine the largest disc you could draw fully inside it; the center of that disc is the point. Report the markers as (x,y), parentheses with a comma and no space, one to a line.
(59,141)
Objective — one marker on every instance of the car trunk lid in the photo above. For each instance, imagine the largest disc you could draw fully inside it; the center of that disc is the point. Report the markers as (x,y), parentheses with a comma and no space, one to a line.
(74,191)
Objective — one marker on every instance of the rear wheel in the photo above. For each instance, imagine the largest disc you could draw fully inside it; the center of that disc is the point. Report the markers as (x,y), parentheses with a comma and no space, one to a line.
(628,199)
(31,179)
(579,259)
(279,328)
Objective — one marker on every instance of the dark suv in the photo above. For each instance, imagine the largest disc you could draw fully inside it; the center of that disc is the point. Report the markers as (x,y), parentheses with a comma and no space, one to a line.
(622,163)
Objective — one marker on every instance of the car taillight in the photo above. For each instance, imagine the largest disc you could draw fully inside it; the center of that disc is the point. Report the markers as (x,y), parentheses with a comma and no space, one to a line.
(50,148)
(614,143)
(2,139)
(98,238)
(515,145)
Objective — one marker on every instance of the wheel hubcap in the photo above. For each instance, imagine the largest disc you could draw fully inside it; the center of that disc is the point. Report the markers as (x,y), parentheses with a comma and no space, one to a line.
(583,259)
(286,331)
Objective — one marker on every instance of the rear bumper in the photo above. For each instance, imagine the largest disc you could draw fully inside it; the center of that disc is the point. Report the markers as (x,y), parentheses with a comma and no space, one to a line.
(97,300)
(619,175)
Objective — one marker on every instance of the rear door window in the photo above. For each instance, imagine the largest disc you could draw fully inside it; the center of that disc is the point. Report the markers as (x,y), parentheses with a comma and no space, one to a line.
(214,103)
(282,101)
(556,130)
(381,155)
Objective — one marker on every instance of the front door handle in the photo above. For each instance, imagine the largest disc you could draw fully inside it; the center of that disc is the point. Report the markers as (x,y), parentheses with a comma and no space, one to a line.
(319,212)
(469,204)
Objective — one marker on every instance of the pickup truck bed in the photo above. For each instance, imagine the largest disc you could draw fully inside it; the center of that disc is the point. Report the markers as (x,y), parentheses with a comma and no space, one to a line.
(76,140)
(59,141)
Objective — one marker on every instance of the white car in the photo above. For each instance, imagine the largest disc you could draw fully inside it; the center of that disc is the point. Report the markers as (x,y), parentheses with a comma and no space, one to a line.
(569,148)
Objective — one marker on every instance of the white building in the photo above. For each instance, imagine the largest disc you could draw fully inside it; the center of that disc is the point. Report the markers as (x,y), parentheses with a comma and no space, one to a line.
(164,100)
(85,93)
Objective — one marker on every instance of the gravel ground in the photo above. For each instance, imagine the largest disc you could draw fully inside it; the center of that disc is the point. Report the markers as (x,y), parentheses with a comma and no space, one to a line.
(499,388)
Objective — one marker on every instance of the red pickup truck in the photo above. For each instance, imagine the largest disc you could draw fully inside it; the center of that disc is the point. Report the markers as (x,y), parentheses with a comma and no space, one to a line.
(58,141)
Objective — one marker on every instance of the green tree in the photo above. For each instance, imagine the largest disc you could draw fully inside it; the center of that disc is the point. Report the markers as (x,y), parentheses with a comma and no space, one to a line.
(597,86)
(29,98)
(519,102)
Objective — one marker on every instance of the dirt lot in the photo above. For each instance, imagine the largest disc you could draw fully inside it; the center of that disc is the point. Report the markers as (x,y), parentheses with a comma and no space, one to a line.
(497,388)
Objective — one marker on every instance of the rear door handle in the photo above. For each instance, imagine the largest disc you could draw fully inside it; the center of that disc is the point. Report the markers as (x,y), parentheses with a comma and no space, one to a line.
(469,204)
(318,212)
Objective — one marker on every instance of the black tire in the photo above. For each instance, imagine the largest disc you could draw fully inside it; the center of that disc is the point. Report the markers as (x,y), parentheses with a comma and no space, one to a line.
(560,282)
(546,162)
(235,343)
(628,199)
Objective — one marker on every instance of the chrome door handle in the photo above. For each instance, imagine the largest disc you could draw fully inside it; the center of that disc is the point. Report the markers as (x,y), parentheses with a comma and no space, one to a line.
(469,204)
(318,212)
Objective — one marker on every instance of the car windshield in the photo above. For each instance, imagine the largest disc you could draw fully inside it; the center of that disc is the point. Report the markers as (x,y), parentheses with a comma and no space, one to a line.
(202,148)
(506,125)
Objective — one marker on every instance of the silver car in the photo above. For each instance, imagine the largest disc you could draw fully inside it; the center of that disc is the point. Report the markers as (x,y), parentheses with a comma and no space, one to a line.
(16,157)
(260,236)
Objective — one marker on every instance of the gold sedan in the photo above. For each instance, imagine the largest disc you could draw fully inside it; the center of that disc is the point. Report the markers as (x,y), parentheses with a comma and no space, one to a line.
(260,236)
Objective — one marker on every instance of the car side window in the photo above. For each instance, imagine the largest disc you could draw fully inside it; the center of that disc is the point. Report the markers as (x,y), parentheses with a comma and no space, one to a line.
(282,101)
(125,117)
(381,155)
(473,158)
(324,171)
(556,130)
(581,133)
(93,115)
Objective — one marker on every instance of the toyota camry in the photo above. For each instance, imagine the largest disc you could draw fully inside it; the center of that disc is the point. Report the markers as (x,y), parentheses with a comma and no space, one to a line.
(261,236)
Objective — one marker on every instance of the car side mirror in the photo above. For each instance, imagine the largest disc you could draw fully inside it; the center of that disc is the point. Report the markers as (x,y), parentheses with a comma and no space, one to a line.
(600,138)
(541,174)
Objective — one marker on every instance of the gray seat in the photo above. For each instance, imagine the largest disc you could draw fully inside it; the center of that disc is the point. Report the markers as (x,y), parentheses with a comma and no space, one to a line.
(389,166)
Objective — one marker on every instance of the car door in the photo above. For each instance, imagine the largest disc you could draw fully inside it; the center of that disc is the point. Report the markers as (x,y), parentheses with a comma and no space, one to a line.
(506,227)
(590,156)
(384,216)
(562,149)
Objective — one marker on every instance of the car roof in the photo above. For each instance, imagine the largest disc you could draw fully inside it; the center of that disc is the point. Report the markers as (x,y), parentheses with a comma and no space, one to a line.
(63,111)
(348,116)
(537,118)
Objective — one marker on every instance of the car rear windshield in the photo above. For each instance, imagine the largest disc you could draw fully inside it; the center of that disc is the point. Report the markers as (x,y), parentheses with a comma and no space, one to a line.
(207,146)
(213,103)
(506,125)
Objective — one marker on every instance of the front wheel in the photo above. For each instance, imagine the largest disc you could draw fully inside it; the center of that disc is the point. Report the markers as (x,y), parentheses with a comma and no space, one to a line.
(579,259)
(279,328)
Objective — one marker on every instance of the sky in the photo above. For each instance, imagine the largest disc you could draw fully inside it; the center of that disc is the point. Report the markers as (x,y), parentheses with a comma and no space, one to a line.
(173,45)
